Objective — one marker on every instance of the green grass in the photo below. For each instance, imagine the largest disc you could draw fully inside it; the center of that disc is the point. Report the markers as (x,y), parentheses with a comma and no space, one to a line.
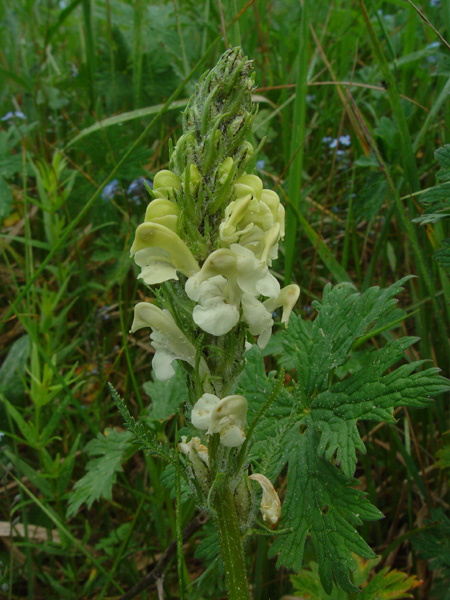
(102,84)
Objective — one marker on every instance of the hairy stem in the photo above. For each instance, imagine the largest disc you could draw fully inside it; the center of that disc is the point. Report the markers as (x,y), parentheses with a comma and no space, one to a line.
(231,544)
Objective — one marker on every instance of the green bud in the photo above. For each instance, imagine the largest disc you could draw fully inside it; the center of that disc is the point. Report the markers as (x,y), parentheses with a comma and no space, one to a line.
(213,145)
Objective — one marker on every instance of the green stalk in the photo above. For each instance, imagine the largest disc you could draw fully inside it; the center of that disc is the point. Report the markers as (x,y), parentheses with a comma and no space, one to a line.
(90,47)
(298,135)
(230,11)
(138,26)
(231,545)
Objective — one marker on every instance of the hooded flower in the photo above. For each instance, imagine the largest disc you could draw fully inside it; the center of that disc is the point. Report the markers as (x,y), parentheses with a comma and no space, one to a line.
(254,212)
(168,340)
(226,417)
(270,503)
(160,253)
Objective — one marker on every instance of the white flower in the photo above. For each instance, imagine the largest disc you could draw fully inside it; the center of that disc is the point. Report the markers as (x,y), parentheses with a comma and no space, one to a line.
(201,413)
(168,340)
(270,503)
(226,417)
(225,276)
(160,252)
(286,299)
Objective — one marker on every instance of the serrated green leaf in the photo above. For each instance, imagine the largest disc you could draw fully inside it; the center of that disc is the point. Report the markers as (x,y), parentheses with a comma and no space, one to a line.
(101,472)
(434,546)
(370,395)
(256,386)
(276,423)
(442,255)
(344,316)
(307,584)
(389,585)
(385,585)
(322,502)
(166,396)
(322,351)
(168,480)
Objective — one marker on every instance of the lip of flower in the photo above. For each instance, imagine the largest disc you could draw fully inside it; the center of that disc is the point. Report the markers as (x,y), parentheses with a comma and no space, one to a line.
(155,235)
(217,313)
(167,337)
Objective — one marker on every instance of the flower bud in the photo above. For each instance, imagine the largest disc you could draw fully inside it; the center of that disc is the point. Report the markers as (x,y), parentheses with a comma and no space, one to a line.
(270,503)
(194,448)
(166,180)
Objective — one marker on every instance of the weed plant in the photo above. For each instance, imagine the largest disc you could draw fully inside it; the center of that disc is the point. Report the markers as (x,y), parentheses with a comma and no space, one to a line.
(353,105)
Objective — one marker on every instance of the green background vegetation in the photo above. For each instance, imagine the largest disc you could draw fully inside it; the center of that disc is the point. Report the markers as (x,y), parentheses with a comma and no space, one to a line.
(353,103)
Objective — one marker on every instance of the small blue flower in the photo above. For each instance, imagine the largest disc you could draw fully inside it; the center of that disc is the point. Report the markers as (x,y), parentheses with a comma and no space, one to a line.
(345,140)
(2,435)
(111,189)
(260,164)
(137,189)
(10,115)
(435,44)
(327,139)
(434,3)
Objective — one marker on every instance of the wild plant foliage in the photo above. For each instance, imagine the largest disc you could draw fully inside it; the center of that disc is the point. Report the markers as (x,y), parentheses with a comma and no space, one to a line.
(208,239)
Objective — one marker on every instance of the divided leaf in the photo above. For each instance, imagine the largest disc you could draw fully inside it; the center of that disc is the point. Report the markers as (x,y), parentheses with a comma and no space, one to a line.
(384,585)
(101,473)
(437,203)
(344,316)
(322,502)
(322,350)
(370,394)
(256,386)
(166,396)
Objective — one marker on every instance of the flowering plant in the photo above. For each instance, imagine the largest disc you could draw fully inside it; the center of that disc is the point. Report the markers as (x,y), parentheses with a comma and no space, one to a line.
(208,240)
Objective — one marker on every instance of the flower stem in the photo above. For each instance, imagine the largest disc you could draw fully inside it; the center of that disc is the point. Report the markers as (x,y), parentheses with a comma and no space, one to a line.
(231,545)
